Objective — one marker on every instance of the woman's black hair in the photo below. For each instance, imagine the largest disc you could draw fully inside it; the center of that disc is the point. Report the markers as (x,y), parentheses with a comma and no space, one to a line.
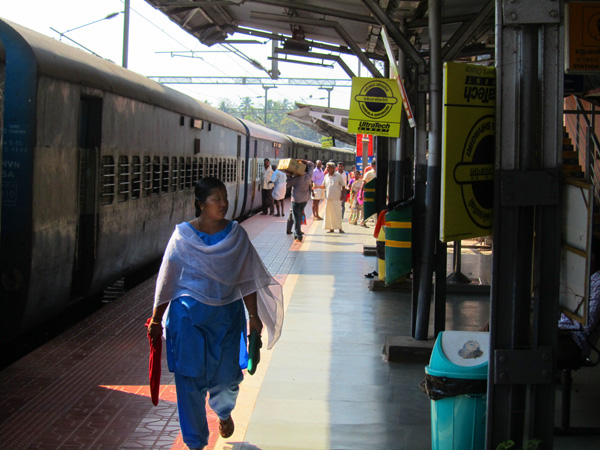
(203,188)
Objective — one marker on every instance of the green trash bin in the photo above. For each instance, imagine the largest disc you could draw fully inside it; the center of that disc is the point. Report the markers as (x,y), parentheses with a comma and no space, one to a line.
(456,382)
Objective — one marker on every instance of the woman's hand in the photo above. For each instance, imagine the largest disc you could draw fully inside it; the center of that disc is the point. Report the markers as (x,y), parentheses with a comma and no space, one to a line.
(155,331)
(255,324)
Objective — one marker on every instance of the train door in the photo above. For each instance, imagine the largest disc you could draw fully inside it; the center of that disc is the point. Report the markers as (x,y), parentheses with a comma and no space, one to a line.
(238,166)
(89,142)
(253,172)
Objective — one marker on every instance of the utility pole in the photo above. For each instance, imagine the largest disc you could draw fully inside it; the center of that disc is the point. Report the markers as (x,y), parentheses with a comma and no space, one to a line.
(266,88)
(126,34)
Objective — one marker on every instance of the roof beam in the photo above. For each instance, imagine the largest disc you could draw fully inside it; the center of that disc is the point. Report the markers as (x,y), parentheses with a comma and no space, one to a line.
(394,32)
(326,23)
(320,82)
(319,10)
(459,39)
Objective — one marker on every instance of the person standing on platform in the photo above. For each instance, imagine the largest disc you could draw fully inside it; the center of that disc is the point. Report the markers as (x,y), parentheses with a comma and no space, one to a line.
(300,185)
(355,199)
(279,180)
(267,189)
(369,174)
(318,190)
(210,271)
(334,194)
(573,337)
(346,177)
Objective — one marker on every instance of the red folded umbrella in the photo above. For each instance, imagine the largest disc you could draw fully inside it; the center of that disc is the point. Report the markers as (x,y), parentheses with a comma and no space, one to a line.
(154,368)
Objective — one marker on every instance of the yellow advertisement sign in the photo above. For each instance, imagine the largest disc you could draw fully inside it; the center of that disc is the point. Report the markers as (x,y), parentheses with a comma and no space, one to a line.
(375,107)
(583,37)
(326,141)
(468,151)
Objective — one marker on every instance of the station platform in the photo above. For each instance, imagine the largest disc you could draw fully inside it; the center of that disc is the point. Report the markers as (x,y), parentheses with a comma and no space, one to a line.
(326,384)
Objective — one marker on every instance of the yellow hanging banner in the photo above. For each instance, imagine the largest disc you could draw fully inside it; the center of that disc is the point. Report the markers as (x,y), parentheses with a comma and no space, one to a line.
(375,107)
(468,151)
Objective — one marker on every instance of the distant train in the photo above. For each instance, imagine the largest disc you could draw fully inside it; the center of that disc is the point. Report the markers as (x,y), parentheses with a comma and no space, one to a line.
(99,164)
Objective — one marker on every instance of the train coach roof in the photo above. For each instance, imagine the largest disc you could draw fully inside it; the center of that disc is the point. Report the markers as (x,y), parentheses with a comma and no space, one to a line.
(262,132)
(60,61)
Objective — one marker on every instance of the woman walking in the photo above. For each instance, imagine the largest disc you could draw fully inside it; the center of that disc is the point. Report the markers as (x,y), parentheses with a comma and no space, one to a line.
(210,271)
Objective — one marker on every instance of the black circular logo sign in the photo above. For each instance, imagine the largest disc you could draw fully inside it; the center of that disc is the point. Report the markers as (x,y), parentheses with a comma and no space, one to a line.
(375,99)
(475,172)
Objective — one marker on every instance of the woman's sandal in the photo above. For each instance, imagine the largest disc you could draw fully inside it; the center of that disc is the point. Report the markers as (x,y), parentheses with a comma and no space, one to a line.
(226,427)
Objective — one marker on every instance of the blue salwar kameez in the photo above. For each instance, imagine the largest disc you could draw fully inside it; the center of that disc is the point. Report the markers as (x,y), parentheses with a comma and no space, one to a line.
(206,349)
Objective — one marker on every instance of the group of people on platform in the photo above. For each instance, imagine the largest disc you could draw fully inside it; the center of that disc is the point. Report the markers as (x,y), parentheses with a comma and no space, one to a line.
(333,184)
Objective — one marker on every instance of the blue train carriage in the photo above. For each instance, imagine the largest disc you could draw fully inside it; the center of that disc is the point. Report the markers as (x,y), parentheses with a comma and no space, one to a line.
(262,143)
(99,165)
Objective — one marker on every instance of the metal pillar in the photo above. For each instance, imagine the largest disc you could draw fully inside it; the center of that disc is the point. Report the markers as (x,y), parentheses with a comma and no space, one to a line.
(432,195)
(420,143)
(525,277)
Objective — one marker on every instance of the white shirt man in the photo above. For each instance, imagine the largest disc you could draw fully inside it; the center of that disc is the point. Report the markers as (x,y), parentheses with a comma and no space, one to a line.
(267,189)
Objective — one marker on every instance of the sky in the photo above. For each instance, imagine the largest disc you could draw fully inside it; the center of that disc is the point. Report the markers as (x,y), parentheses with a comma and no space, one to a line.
(153,38)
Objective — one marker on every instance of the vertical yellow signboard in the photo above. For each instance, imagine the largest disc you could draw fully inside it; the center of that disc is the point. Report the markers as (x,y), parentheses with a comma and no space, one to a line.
(468,151)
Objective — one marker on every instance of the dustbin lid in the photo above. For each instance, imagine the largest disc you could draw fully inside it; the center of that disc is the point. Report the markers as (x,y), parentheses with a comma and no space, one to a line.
(460,354)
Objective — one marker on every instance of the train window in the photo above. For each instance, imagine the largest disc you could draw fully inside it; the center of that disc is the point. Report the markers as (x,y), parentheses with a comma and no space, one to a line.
(165,175)
(196,146)
(156,175)
(174,173)
(181,121)
(194,171)
(146,177)
(211,168)
(242,171)
(209,126)
(136,177)
(201,165)
(123,193)
(229,166)
(220,169)
(107,192)
(182,173)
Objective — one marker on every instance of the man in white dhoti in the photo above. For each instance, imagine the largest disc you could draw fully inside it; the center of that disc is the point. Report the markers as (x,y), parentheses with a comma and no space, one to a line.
(334,193)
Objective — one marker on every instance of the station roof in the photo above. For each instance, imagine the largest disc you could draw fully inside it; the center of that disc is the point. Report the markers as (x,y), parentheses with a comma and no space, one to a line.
(325,30)
(324,120)
(345,26)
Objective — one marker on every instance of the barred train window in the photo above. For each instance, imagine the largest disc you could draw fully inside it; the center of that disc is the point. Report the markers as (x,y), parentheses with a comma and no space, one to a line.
(242,171)
(188,173)
(181,173)
(220,174)
(201,167)
(123,179)
(174,173)
(146,177)
(194,171)
(136,177)
(156,175)
(107,191)
(165,175)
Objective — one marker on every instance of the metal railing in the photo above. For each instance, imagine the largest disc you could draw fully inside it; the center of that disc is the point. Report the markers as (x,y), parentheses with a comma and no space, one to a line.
(580,123)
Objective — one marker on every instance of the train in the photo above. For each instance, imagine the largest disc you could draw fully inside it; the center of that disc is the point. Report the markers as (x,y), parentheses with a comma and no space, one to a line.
(99,164)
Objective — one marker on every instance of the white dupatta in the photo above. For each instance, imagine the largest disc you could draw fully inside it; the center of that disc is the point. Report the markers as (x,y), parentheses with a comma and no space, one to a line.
(219,274)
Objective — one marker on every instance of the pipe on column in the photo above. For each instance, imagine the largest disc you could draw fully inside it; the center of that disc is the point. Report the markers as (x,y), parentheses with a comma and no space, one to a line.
(432,195)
